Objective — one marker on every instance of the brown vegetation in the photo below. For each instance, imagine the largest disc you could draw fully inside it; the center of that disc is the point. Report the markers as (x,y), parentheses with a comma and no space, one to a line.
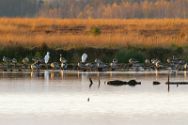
(79,33)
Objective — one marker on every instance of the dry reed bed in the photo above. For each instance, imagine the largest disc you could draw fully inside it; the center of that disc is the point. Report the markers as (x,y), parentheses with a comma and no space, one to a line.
(75,33)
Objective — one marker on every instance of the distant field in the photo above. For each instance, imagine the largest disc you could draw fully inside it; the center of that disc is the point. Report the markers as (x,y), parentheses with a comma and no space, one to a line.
(97,33)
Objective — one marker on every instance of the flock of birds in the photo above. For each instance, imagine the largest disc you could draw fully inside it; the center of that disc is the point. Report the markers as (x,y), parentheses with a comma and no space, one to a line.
(132,65)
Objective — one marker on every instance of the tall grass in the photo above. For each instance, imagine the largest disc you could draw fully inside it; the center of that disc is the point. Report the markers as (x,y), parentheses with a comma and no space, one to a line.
(77,33)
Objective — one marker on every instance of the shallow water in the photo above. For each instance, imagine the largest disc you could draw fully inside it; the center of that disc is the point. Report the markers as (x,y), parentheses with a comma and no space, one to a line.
(57,97)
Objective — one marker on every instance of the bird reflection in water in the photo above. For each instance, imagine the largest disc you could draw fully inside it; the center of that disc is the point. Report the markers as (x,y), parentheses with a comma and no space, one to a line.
(84,77)
(62,74)
(156,74)
(46,75)
(52,75)
(35,74)
(46,79)
(185,75)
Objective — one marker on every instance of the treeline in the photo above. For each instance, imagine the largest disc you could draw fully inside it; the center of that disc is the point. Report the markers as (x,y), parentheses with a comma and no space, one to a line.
(115,9)
(95,8)
(18,8)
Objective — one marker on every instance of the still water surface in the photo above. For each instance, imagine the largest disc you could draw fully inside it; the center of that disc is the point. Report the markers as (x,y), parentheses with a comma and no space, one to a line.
(61,98)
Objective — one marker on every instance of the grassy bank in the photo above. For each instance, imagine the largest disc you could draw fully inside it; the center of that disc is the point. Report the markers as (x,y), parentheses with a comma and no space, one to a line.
(105,54)
(96,33)
(104,39)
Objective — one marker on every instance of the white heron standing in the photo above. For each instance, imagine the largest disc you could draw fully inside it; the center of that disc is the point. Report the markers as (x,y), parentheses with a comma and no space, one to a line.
(84,58)
(47,58)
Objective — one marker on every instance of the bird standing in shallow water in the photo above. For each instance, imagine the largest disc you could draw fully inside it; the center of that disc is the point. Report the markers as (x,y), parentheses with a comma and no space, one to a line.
(63,62)
(47,58)
(14,61)
(25,62)
(7,62)
(84,58)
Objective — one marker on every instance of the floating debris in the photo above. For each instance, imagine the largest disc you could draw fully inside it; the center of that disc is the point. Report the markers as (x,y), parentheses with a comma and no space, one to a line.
(121,83)
(133,83)
(116,83)
(156,83)
(88,99)
(179,83)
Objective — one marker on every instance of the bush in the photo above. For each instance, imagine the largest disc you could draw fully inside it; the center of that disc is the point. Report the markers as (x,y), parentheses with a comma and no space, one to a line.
(124,55)
(159,53)
(95,30)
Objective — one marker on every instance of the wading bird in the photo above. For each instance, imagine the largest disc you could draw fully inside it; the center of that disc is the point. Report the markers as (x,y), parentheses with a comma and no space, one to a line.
(114,64)
(47,58)
(14,61)
(63,62)
(135,65)
(25,62)
(55,65)
(100,65)
(7,62)
(83,65)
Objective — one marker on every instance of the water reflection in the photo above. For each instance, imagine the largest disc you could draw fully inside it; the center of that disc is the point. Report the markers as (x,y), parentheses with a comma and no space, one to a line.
(67,94)
(67,75)
(99,77)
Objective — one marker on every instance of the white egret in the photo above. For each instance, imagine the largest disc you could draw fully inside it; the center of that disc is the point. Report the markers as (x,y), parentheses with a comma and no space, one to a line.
(47,58)
(84,58)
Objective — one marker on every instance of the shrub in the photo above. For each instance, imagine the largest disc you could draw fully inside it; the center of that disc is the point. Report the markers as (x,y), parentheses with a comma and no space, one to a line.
(124,55)
(95,30)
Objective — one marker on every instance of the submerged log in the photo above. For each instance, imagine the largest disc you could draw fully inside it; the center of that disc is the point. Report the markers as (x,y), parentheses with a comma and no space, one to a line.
(133,83)
(116,83)
(121,83)
(179,83)
(156,83)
